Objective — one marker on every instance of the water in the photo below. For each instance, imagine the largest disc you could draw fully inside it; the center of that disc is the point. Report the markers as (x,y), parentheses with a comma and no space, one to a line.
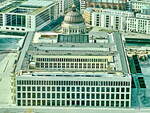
(10,43)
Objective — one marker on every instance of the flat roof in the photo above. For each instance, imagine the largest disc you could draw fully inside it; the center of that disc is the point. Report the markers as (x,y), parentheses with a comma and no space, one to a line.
(37,3)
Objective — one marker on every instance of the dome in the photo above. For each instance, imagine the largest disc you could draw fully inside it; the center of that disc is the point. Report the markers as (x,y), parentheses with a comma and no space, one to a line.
(73,17)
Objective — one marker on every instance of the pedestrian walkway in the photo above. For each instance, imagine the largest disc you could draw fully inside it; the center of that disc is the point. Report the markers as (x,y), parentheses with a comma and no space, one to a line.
(6,68)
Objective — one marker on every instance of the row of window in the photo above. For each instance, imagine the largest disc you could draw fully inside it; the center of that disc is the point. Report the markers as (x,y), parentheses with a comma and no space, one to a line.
(70,60)
(72,96)
(74,89)
(85,83)
(73,103)
(71,65)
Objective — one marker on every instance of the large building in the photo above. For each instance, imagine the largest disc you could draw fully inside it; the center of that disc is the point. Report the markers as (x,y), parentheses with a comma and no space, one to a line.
(112,4)
(139,24)
(26,16)
(137,5)
(107,18)
(74,70)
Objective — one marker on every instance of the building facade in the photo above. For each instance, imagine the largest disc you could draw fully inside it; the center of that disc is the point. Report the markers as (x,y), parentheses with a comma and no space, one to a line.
(107,18)
(28,16)
(112,4)
(76,70)
(138,25)
(58,90)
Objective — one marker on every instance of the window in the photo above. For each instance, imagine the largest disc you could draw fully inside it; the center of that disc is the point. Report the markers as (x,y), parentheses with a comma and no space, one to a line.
(97,89)
(38,102)
(107,103)
(53,102)
(117,90)
(43,95)
(117,96)
(24,102)
(43,88)
(92,103)
(97,96)
(93,96)
(83,96)
(107,89)
(78,89)
(68,95)
(63,88)
(63,102)
(93,89)
(107,96)
(112,103)
(112,96)
(97,103)
(102,96)
(23,95)
(18,95)
(58,88)
(33,95)
(88,96)
(127,89)
(83,89)
(112,89)
(48,95)
(122,96)
(53,95)
(78,95)
(38,95)
(102,103)
(73,95)
(33,89)
(38,88)
(63,95)
(18,88)
(127,96)
(127,103)
(122,89)
(19,102)
(53,88)
(29,95)
(88,89)
(48,102)
(82,103)
(103,89)
(68,102)
(48,88)
(87,103)
(23,88)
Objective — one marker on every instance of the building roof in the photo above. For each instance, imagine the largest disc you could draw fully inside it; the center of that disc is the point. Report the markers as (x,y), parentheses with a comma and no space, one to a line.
(73,17)
(37,3)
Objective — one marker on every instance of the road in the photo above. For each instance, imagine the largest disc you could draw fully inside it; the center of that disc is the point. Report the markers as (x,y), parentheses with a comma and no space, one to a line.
(6,68)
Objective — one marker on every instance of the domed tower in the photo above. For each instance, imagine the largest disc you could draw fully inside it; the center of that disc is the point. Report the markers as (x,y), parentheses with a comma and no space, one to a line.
(73,22)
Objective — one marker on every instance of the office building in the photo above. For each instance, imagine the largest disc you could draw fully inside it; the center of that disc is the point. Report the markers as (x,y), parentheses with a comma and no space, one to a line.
(26,16)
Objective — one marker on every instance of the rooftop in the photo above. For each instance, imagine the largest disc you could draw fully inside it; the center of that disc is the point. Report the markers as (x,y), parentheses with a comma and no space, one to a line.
(105,45)
(26,7)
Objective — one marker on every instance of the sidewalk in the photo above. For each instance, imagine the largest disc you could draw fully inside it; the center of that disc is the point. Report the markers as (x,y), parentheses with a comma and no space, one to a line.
(6,68)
